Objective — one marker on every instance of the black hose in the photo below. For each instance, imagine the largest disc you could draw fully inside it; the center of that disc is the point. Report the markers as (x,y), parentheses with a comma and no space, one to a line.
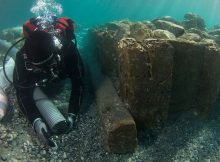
(4,62)
(5,58)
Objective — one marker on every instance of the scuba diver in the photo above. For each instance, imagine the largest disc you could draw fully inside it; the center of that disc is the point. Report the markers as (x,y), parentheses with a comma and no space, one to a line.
(49,55)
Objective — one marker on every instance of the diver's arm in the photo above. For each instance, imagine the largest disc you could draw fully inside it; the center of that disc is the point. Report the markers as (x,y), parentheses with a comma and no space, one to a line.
(76,96)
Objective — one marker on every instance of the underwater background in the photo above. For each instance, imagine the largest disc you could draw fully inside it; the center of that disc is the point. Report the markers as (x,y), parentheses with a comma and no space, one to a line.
(185,139)
(92,12)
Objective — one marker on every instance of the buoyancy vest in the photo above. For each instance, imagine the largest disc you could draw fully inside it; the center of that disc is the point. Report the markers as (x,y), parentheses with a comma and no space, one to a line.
(65,26)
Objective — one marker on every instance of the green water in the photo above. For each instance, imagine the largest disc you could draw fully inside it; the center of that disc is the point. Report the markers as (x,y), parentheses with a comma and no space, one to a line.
(92,12)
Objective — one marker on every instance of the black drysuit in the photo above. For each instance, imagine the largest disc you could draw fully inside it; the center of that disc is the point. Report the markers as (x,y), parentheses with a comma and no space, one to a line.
(71,66)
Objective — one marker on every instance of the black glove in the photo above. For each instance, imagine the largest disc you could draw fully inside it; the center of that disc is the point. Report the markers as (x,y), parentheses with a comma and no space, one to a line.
(71,121)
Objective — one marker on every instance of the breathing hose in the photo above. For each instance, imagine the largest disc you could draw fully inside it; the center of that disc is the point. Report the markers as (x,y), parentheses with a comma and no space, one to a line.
(4,62)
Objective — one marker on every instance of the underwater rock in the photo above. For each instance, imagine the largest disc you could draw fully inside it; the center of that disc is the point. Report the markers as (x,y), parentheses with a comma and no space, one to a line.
(216,38)
(191,37)
(202,34)
(168,18)
(11,34)
(177,30)
(149,24)
(119,126)
(214,32)
(193,21)
(216,26)
(210,42)
(121,28)
(140,31)
(163,34)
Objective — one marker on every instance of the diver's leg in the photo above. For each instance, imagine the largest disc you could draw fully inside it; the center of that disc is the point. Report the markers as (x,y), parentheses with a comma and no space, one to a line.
(77,81)
(76,96)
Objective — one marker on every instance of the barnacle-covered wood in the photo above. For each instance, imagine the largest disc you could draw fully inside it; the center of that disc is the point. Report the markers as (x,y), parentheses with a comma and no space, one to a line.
(146,78)
(119,126)
(159,69)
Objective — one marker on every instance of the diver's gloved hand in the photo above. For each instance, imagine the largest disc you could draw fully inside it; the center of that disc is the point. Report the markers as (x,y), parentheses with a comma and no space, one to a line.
(71,121)
(43,133)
